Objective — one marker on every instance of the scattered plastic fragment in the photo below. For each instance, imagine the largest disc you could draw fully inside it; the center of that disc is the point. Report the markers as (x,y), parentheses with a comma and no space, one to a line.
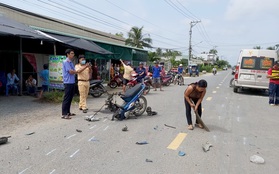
(142,142)
(91,118)
(170,126)
(148,160)
(78,130)
(4,140)
(180,153)
(156,127)
(27,148)
(125,128)
(257,159)
(206,146)
(30,133)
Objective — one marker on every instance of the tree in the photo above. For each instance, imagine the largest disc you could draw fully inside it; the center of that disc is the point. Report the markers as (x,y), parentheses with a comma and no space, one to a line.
(159,52)
(152,56)
(213,51)
(136,38)
(257,47)
(119,34)
(271,48)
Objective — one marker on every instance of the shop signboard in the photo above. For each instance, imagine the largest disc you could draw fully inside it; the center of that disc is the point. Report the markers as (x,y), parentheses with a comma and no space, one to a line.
(55,71)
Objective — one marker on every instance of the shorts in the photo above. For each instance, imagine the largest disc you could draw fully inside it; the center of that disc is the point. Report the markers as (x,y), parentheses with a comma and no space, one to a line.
(157,80)
(125,81)
(45,88)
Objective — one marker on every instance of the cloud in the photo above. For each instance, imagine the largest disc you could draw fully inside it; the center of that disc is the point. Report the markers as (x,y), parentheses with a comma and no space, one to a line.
(251,9)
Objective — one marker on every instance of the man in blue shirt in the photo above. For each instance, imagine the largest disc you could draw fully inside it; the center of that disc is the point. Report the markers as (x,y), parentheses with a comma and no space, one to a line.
(44,75)
(180,69)
(141,71)
(11,85)
(69,83)
(156,76)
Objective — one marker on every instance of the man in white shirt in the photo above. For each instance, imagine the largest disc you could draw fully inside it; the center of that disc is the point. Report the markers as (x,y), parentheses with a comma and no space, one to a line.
(11,85)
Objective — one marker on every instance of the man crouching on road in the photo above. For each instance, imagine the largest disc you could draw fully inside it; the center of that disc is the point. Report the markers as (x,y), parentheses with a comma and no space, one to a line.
(83,82)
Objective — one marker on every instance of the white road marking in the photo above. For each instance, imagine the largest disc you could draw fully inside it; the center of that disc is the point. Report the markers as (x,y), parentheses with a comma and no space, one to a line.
(219,117)
(209,98)
(215,138)
(106,128)
(238,107)
(92,127)
(244,140)
(217,87)
(238,119)
(52,171)
(71,136)
(223,105)
(74,153)
(91,138)
(24,170)
(214,92)
(51,152)
(105,120)
(220,84)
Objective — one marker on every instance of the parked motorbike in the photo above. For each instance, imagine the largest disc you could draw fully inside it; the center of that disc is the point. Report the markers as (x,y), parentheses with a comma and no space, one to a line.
(166,80)
(147,81)
(134,103)
(116,81)
(96,88)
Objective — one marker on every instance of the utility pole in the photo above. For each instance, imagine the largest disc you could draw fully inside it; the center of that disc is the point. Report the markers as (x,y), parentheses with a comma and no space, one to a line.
(192,24)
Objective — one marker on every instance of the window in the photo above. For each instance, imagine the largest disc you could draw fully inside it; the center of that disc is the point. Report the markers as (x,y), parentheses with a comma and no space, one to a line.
(258,63)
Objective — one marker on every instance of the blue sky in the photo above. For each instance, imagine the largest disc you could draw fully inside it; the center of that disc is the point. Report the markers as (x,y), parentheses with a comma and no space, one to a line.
(228,25)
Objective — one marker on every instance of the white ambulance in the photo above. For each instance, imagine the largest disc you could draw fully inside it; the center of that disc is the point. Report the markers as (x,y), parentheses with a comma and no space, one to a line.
(252,67)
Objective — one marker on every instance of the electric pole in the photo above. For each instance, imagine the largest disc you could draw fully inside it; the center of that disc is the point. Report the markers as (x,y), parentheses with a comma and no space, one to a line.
(192,24)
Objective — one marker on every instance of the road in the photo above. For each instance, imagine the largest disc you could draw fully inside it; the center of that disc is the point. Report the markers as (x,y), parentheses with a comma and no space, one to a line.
(241,125)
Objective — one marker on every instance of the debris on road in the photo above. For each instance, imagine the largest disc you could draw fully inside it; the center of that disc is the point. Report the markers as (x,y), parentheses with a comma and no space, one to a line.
(78,130)
(125,128)
(4,140)
(148,160)
(150,112)
(156,127)
(257,159)
(91,118)
(181,153)
(27,148)
(170,126)
(30,133)
(142,142)
(206,146)
(93,139)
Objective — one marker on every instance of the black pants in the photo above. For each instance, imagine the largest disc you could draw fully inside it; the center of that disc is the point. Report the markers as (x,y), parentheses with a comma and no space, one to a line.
(188,110)
(68,97)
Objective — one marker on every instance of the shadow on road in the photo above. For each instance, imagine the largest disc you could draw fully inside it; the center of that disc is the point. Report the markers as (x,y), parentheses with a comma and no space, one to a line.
(254,92)
(217,129)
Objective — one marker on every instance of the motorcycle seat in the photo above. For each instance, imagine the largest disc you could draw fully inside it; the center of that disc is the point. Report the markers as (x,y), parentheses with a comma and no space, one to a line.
(130,93)
(95,81)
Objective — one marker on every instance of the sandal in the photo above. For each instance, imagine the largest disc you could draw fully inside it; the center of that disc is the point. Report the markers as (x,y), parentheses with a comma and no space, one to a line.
(66,117)
(190,127)
(199,125)
(71,114)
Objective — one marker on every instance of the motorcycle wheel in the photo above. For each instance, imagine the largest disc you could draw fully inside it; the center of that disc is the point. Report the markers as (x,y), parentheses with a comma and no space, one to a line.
(181,81)
(113,84)
(96,95)
(168,83)
(232,82)
(141,106)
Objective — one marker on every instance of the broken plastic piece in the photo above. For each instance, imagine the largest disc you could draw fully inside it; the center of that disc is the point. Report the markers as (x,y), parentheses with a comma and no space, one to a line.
(78,130)
(30,133)
(257,159)
(125,128)
(180,153)
(142,142)
(148,160)
(206,146)
(170,126)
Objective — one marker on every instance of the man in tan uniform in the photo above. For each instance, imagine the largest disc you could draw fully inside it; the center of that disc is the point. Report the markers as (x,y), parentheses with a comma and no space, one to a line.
(84,72)
(127,74)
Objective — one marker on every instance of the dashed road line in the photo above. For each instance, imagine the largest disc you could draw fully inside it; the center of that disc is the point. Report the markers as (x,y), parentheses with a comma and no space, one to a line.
(24,170)
(217,87)
(52,171)
(105,120)
(177,141)
(90,139)
(220,84)
(50,152)
(71,136)
(92,127)
(214,92)
(209,98)
(106,128)
(74,153)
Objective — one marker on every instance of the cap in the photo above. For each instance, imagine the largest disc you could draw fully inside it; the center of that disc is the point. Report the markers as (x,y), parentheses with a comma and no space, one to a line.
(180,65)
(141,63)
(156,62)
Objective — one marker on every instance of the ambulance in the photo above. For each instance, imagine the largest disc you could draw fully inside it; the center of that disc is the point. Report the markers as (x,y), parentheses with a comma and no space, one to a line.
(252,67)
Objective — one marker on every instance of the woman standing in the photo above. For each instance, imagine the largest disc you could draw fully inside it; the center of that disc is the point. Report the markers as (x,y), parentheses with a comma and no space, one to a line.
(193,97)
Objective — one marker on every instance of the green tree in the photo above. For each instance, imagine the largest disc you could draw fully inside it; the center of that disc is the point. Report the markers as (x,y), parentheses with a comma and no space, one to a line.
(213,51)
(257,47)
(137,39)
(119,34)
(271,48)
(152,56)
(159,52)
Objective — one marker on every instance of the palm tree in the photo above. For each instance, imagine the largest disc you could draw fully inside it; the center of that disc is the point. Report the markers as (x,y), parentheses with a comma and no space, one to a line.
(137,39)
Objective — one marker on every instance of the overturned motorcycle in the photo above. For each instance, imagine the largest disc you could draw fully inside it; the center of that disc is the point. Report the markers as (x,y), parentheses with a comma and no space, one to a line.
(134,104)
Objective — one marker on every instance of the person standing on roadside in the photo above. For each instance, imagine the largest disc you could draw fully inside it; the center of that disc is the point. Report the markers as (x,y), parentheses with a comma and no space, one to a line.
(193,97)
(273,75)
(83,73)
(44,75)
(69,83)
(141,71)
(156,76)
(127,74)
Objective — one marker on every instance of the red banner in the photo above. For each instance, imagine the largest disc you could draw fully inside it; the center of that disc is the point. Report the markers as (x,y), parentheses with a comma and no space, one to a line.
(31,59)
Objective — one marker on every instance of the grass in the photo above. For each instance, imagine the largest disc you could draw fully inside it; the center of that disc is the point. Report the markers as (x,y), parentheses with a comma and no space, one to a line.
(56,96)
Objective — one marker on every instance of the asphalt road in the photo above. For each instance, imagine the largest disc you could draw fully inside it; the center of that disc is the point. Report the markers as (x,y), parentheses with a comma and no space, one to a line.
(241,125)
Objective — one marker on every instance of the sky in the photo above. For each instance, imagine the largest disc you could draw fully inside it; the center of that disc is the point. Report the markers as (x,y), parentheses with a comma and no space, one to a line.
(226,25)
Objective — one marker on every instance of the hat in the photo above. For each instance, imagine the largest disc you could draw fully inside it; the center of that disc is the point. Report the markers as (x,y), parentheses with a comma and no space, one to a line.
(141,63)
(155,62)
(180,65)
(81,56)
